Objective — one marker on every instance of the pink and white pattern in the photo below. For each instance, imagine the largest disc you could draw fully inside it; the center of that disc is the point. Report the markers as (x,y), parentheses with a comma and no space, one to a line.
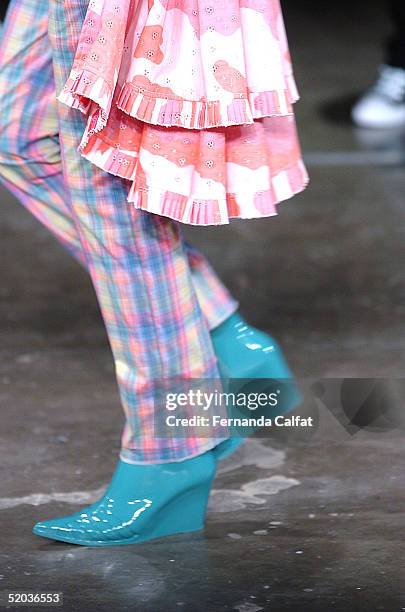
(191,101)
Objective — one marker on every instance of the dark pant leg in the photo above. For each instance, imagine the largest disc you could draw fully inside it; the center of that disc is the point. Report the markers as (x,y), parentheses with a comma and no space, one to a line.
(395,50)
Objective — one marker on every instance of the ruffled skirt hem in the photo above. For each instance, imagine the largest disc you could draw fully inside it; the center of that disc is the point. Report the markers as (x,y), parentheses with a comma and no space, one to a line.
(233,153)
(84,88)
(186,208)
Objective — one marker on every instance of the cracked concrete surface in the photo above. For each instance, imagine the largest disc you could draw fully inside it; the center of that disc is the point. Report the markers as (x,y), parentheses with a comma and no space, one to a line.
(296,523)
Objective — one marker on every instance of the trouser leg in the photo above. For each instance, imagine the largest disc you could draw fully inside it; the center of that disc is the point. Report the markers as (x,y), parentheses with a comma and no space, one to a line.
(395,51)
(135,259)
(30,164)
(30,160)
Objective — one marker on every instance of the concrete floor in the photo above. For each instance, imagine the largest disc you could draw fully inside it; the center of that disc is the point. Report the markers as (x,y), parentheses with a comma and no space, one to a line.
(296,522)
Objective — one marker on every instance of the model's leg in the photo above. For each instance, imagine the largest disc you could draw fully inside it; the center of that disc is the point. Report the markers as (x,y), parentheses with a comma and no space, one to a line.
(140,272)
(395,52)
(214,298)
(137,261)
(30,161)
(30,165)
(383,104)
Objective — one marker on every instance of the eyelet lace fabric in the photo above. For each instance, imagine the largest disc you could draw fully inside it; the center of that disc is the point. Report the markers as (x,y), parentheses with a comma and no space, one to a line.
(191,101)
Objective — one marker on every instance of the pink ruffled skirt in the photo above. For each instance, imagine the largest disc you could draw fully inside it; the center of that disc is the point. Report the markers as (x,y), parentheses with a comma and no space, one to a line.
(191,102)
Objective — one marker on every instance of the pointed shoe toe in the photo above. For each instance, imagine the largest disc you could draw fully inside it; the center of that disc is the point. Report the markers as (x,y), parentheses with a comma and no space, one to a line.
(142,502)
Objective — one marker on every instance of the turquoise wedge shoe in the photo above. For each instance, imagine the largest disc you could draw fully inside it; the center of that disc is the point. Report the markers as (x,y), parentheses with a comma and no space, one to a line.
(251,361)
(142,502)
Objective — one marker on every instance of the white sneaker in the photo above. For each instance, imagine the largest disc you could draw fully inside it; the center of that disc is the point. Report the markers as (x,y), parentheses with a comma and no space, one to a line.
(383,105)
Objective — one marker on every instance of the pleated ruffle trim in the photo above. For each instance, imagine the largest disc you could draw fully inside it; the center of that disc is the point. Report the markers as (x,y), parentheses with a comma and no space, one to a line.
(84,87)
(91,95)
(196,211)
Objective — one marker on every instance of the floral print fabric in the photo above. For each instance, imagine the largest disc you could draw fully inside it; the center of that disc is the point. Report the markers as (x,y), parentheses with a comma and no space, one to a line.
(191,102)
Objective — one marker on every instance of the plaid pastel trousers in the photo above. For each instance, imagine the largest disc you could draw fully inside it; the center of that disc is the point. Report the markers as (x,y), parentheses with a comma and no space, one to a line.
(158,296)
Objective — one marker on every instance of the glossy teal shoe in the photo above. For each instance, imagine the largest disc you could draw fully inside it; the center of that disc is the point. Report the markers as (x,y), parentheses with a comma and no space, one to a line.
(142,502)
(251,360)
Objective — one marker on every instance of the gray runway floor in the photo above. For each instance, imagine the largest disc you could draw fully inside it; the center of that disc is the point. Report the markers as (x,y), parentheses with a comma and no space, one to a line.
(296,523)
